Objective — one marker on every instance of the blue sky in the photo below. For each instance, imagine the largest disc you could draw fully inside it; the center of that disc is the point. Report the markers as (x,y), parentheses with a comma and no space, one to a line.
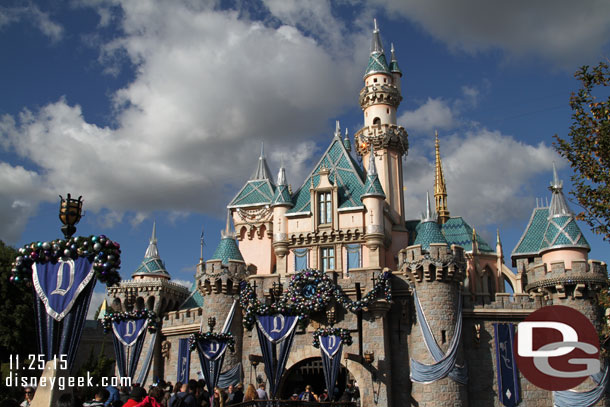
(155,110)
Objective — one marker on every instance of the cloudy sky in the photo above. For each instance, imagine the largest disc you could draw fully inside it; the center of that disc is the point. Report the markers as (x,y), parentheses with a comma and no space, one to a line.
(155,110)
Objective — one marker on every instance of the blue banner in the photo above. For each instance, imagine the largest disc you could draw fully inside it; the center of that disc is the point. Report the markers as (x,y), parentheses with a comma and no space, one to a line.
(58,284)
(62,337)
(211,356)
(213,349)
(273,330)
(184,360)
(330,345)
(128,339)
(128,331)
(507,373)
(276,327)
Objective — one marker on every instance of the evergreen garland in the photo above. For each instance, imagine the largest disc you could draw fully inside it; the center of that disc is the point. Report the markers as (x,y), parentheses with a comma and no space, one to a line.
(346,337)
(103,252)
(111,317)
(227,338)
(308,291)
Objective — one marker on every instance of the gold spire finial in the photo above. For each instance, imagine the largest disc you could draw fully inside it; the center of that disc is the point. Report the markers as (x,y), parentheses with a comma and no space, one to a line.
(440,189)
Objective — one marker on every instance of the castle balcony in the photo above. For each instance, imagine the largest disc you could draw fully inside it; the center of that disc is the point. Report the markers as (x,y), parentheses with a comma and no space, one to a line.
(382,136)
(387,94)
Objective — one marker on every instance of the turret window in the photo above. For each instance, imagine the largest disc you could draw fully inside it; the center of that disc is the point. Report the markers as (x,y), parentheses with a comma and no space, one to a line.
(327,258)
(325,208)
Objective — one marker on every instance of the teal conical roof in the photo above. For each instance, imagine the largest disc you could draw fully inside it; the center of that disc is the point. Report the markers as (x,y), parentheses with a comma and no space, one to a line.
(377,61)
(429,231)
(563,232)
(372,186)
(561,229)
(282,194)
(152,265)
(227,250)
(259,189)
(394,68)
(227,247)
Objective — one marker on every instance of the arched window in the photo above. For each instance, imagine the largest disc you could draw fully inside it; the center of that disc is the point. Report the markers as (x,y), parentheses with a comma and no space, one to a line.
(150,303)
(376,121)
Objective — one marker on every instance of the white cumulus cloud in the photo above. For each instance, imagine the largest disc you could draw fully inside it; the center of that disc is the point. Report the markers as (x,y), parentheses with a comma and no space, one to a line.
(488,175)
(209,87)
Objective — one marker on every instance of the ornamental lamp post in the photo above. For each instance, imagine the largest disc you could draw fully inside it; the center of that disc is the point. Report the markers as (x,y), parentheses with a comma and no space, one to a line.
(70,212)
(212,323)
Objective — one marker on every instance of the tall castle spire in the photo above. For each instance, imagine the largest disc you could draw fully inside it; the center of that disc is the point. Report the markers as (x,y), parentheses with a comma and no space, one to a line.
(262,169)
(152,250)
(152,266)
(440,188)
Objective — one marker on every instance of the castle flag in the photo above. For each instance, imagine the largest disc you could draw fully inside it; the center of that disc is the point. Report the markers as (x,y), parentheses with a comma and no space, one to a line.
(184,360)
(507,373)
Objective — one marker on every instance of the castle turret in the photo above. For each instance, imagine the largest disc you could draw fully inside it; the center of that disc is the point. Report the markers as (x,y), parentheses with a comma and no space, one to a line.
(373,199)
(346,143)
(553,254)
(435,272)
(396,72)
(379,100)
(219,285)
(152,266)
(563,239)
(280,204)
(253,216)
(150,286)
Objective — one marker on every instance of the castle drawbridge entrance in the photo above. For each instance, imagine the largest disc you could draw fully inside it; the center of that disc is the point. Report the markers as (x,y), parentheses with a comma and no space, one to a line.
(309,371)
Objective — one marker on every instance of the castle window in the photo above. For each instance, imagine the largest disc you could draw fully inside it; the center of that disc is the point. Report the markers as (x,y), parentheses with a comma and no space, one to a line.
(376,121)
(325,208)
(353,256)
(327,258)
(385,80)
(375,80)
(301,257)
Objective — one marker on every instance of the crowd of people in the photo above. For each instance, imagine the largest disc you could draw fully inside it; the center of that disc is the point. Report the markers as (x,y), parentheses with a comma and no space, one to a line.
(191,394)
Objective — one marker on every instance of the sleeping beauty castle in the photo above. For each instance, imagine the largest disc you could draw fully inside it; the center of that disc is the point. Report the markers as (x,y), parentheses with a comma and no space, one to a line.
(423,301)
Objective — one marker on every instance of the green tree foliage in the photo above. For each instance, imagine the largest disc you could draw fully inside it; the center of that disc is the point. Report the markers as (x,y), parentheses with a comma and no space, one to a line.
(17,325)
(587,146)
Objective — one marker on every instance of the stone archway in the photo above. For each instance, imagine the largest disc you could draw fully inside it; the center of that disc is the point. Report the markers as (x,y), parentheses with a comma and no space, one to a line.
(309,372)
